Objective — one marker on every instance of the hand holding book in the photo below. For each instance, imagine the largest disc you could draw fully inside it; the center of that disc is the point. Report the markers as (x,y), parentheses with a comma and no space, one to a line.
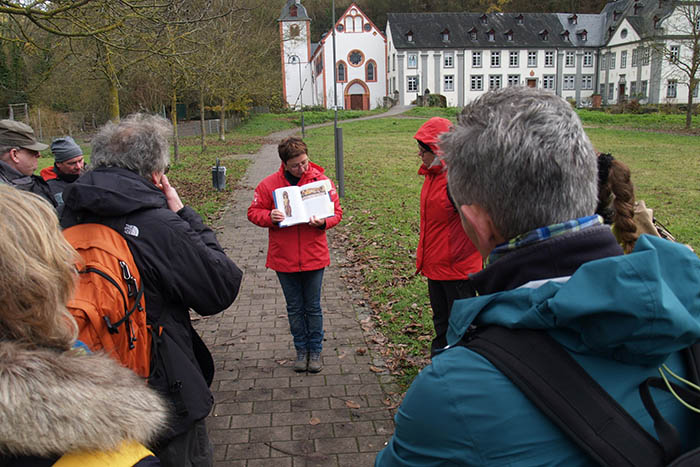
(310,203)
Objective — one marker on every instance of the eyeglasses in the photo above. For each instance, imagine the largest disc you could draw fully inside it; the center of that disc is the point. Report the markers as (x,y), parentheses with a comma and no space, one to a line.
(298,165)
(31,152)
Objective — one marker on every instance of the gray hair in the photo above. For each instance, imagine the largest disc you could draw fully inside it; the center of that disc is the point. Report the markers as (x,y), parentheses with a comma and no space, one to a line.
(4,150)
(139,143)
(522,155)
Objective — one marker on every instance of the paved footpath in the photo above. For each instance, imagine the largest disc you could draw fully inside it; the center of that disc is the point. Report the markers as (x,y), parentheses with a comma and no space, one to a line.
(265,414)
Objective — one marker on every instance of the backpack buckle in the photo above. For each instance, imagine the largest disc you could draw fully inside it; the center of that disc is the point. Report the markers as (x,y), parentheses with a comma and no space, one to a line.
(130,280)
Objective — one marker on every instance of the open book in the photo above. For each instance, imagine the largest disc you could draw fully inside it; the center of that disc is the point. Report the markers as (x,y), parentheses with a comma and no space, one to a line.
(299,203)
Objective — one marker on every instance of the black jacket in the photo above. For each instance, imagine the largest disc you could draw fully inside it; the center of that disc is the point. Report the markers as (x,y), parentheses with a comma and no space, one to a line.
(31,183)
(182,266)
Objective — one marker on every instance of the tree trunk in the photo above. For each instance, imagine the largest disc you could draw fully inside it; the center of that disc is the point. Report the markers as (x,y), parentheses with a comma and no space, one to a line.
(689,112)
(201,119)
(222,134)
(173,117)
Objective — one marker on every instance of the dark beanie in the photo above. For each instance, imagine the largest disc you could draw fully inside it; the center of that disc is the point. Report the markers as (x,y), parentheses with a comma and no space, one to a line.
(64,149)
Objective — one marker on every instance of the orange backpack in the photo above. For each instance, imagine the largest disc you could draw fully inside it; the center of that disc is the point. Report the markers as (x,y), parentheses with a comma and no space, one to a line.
(108,303)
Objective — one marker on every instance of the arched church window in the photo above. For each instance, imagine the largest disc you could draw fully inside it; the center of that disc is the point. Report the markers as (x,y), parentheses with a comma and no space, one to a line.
(371,71)
(340,74)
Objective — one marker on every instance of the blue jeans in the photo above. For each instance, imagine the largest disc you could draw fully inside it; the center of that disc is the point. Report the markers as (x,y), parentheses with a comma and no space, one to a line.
(302,291)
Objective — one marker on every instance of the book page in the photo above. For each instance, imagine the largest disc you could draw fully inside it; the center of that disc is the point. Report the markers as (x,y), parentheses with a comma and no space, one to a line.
(317,200)
(288,200)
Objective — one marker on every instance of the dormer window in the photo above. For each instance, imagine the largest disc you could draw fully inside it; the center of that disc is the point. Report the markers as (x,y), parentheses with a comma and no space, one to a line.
(491,35)
(509,35)
(656,22)
(409,36)
(565,35)
(611,31)
(582,35)
(519,19)
(616,15)
(293,12)
(638,6)
(573,19)
(445,35)
(484,19)
(544,35)
(473,34)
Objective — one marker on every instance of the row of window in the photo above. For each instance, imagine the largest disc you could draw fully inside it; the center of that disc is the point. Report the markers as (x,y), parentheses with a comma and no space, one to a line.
(476,82)
(370,72)
(640,56)
(495,59)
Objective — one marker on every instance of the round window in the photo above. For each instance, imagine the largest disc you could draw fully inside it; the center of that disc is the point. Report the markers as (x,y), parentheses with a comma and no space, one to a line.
(339,28)
(356,58)
(368,27)
(623,33)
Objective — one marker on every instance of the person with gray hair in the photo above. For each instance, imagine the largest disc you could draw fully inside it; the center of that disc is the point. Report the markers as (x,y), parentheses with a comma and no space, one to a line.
(19,156)
(523,174)
(181,264)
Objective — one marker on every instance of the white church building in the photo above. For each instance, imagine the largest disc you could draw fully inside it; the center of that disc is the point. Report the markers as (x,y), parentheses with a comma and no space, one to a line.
(307,68)
(626,51)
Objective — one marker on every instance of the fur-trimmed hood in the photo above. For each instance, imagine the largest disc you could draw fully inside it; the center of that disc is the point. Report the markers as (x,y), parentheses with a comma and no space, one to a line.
(54,402)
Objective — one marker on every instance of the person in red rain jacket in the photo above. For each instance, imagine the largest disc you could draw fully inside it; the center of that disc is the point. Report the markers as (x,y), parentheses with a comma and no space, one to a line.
(298,253)
(445,254)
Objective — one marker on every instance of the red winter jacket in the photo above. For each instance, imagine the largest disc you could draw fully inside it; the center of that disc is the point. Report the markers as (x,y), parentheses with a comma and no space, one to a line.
(444,250)
(298,247)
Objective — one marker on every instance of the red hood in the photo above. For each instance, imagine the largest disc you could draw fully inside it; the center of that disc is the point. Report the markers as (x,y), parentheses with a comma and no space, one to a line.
(429,133)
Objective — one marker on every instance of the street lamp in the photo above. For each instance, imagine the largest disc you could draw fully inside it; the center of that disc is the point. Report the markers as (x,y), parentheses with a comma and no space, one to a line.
(292,60)
(337,132)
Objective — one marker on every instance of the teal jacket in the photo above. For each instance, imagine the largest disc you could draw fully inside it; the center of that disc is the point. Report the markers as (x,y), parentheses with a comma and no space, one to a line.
(620,317)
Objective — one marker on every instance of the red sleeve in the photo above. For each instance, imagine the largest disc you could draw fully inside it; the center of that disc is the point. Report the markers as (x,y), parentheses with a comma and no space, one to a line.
(333,221)
(262,205)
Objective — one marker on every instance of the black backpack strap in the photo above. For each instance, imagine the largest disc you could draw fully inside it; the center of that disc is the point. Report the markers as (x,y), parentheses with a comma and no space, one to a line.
(557,385)
(668,435)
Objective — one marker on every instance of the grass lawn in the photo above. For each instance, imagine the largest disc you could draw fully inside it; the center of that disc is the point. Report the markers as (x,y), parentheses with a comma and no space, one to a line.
(381,217)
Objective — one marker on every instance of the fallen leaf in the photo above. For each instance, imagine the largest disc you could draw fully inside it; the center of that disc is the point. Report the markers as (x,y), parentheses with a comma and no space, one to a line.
(376,369)
(314,421)
(352,405)
(361,351)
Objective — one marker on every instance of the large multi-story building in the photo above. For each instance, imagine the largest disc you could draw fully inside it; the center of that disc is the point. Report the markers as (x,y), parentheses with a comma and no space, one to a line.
(629,50)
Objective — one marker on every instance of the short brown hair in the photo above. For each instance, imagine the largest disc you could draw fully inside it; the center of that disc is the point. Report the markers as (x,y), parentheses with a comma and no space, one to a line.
(291,147)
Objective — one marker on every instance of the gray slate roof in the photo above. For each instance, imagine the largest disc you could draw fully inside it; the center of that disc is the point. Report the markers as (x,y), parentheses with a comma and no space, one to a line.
(427,28)
(301,12)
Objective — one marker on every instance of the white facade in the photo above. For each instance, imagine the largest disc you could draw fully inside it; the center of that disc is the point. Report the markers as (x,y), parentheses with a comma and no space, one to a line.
(637,67)
(361,57)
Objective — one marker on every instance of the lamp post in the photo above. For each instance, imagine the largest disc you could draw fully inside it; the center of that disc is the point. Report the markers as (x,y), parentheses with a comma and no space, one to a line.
(292,60)
(337,132)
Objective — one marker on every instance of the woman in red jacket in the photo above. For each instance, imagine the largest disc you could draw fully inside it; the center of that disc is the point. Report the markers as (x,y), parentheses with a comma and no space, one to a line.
(298,253)
(445,254)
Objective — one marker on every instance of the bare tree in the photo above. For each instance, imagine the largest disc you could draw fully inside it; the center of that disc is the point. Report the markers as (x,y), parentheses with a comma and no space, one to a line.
(679,45)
